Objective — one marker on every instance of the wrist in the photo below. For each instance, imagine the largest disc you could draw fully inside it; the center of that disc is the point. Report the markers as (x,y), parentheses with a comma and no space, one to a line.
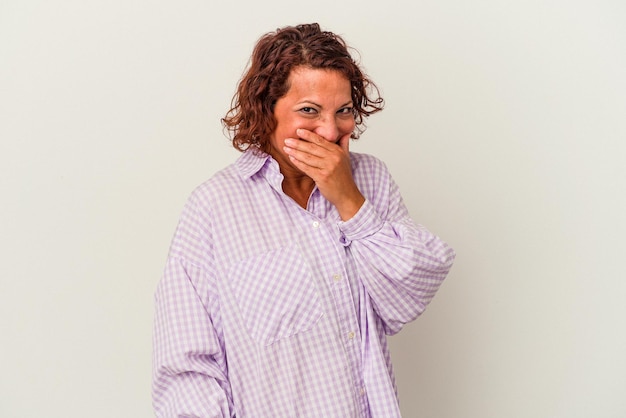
(350,206)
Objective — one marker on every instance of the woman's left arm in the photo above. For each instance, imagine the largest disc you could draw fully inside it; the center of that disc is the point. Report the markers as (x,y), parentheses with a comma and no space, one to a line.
(400,264)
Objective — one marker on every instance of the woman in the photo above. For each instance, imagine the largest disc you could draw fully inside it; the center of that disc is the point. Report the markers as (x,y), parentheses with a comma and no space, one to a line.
(290,267)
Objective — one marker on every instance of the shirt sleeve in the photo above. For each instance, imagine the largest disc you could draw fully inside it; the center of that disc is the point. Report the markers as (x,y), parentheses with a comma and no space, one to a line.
(400,264)
(190,377)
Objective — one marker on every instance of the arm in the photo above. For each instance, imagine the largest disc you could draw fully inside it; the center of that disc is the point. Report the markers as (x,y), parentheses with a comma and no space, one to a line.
(189,368)
(400,264)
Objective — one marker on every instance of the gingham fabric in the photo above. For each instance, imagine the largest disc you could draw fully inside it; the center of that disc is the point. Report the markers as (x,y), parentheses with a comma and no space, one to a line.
(268,310)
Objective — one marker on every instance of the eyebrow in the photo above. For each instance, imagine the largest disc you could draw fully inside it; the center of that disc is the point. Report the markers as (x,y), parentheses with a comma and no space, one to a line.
(348,103)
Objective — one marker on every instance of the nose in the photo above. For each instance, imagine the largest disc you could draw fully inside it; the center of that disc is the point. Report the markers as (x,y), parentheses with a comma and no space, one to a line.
(328,129)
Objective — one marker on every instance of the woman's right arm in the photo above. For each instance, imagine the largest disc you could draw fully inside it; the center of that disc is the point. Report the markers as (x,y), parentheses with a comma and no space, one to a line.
(190,377)
(189,371)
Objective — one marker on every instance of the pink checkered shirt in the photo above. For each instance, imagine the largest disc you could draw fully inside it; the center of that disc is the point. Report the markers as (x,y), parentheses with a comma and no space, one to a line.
(268,310)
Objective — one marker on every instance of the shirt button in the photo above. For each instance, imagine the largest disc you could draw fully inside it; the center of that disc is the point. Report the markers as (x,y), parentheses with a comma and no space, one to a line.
(351,335)
(362,391)
(337,277)
(316,224)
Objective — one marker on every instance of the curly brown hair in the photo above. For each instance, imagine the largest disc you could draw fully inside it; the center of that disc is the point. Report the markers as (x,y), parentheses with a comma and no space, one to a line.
(251,121)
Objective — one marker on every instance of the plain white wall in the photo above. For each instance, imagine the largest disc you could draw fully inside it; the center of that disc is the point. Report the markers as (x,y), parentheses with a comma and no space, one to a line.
(504,126)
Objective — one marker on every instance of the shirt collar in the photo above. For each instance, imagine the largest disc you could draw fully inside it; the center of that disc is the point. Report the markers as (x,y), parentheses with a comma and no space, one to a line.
(253,161)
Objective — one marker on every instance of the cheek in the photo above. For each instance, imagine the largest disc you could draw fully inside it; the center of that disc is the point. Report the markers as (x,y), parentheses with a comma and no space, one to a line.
(301,124)
(287,129)
(347,126)
(304,124)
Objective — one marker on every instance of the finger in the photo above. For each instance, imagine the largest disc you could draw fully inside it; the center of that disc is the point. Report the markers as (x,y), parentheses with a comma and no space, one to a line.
(306,146)
(308,136)
(299,150)
(305,167)
(344,142)
(313,138)
(301,145)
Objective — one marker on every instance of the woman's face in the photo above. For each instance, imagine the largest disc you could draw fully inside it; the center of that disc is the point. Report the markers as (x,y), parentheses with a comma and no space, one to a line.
(318,100)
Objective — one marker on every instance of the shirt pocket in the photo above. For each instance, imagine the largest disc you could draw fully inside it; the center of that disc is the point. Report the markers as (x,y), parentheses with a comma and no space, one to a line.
(276,294)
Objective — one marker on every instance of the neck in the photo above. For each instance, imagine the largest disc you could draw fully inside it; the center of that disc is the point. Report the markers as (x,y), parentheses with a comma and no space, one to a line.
(298,186)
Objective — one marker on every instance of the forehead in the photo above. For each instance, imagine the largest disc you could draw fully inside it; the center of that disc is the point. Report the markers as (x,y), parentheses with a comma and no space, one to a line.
(320,83)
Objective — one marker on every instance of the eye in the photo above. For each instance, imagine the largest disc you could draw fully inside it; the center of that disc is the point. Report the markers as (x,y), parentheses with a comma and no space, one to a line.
(349,110)
(307,110)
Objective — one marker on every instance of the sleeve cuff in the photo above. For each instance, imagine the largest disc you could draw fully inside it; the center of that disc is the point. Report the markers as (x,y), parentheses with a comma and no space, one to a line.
(364,223)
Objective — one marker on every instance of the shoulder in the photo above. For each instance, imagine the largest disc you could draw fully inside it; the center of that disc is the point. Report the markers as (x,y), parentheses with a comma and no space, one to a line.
(367,163)
(219,182)
(373,179)
(369,170)
(230,188)
(231,179)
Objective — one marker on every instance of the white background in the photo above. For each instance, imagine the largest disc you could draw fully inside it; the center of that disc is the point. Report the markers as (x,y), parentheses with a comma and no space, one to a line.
(504,126)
